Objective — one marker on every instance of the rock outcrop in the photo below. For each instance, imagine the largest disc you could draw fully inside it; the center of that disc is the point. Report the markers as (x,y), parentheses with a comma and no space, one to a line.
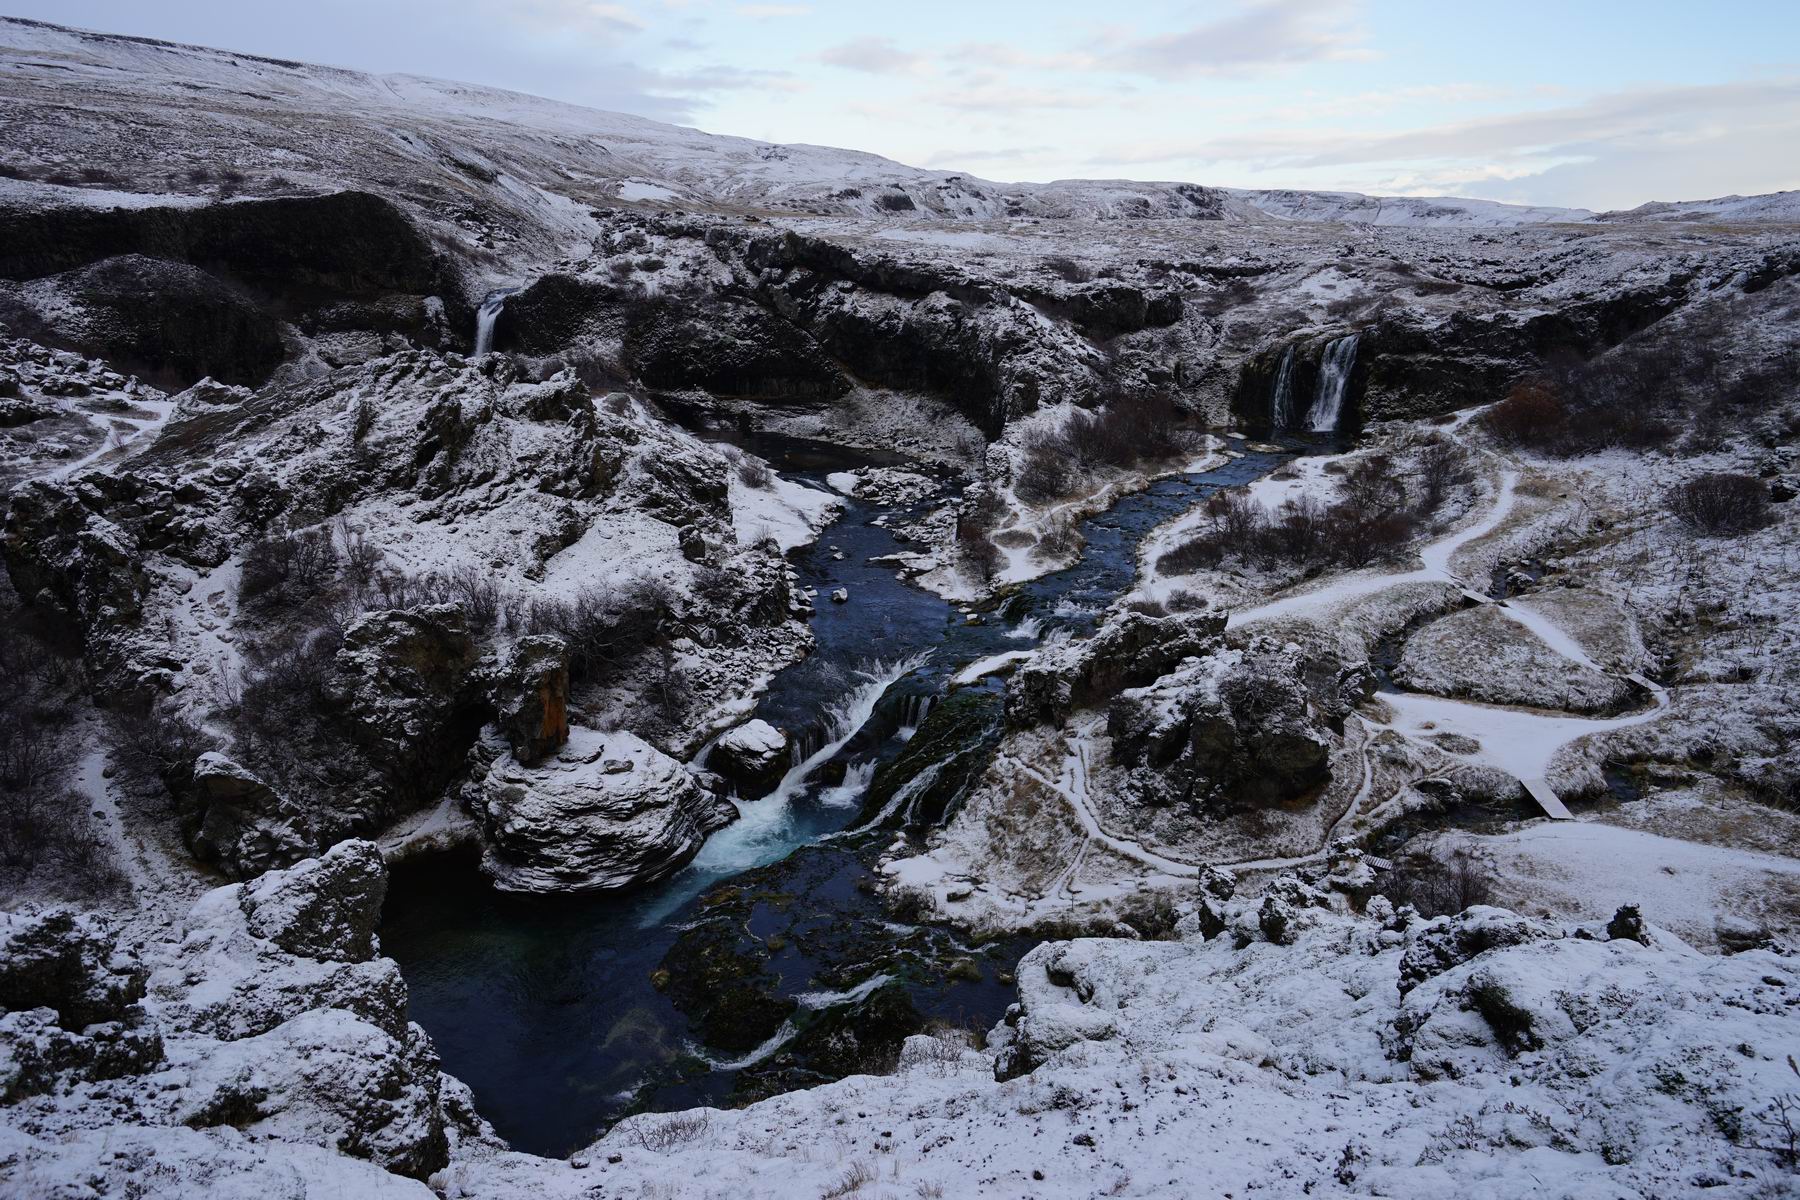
(529,691)
(607,810)
(271,1019)
(752,757)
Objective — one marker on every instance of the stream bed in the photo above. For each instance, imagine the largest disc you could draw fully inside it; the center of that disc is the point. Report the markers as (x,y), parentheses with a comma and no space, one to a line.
(769,962)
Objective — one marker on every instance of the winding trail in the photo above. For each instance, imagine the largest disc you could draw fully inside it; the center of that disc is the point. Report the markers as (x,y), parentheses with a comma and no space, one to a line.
(1435,569)
(1518,741)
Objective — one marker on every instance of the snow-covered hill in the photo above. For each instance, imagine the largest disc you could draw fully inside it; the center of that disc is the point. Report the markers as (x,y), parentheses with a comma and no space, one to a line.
(211,111)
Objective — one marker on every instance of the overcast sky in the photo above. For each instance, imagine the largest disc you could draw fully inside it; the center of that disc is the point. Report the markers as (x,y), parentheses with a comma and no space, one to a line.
(1595,103)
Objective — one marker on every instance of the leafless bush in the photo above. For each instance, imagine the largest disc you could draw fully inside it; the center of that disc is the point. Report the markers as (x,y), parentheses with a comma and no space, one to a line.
(1721,503)
(157,744)
(1435,886)
(1443,464)
(604,626)
(285,569)
(1047,470)
(52,834)
(1371,522)
(753,472)
(671,1131)
(979,513)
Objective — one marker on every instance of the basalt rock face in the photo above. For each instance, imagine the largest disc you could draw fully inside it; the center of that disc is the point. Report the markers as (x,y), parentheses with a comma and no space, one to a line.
(164,320)
(186,292)
(410,702)
(606,811)
(350,243)
(730,347)
(530,695)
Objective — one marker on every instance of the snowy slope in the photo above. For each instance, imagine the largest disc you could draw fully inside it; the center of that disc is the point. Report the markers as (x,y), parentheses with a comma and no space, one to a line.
(447,139)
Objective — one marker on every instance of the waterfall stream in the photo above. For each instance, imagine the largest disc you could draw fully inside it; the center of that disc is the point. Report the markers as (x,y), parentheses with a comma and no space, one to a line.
(486,318)
(1282,407)
(1334,381)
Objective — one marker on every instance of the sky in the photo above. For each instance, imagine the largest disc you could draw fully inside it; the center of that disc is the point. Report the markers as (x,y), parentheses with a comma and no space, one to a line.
(1588,103)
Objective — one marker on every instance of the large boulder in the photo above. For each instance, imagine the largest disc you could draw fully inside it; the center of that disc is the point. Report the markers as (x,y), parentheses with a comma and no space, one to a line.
(234,820)
(326,908)
(407,681)
(608,810)
(1228,730)
(753,757)
(1132,649)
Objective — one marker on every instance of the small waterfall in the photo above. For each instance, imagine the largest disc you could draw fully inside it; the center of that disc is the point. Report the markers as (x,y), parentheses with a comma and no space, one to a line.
(1334,382)
(1028,630)
(849,792)
(913,710)
(1281,403)
(764,830)
(486,318)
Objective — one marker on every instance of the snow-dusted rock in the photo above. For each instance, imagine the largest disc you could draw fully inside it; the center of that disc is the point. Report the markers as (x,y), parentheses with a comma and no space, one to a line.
(232,818)
(324,908)
(270,1018)
(1481,654)
(607,810)
(529,690)
(753,757)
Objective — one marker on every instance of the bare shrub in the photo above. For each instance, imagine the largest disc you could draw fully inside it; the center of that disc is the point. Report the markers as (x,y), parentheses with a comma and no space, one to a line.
(1437,887)
(1443,464)
(1048,469)
(604,626)
(157,744)
(285,569)
(979,513)
(1721,503)
(753,472)
(670,1131)
(1531,415)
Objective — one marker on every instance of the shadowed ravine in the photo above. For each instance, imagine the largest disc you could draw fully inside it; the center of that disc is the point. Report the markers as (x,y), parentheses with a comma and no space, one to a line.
(550,1009)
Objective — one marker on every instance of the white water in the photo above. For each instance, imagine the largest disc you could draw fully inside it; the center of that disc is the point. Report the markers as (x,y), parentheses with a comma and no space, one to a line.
(1028,630)
(907,793)
(809,1002)
(849,792)
(486,318)
(1334,382)
(765,829)
(1281,411)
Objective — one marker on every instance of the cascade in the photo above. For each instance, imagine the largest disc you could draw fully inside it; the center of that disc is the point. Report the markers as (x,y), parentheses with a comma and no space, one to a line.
(486,317)
(1334,382)
(1281,405)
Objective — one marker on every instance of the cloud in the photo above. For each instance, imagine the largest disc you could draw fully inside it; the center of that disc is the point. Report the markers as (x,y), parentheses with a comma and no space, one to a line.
(765,12)
(1615,149)
(1004,97)
(1263,35)
(568,14)
(875,55)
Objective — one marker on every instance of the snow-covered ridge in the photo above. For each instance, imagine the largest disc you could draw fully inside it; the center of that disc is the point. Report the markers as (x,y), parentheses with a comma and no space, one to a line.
(547,151)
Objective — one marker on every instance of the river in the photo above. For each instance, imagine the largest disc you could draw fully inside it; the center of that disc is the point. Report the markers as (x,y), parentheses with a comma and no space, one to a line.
(550,1007)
